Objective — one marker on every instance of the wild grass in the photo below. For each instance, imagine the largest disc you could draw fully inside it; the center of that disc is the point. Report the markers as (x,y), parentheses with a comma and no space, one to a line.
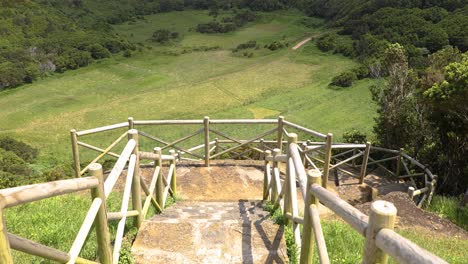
(449,207)
(154,84)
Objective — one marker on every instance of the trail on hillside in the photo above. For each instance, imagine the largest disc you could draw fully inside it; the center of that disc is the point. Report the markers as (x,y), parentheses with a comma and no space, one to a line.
(300,44)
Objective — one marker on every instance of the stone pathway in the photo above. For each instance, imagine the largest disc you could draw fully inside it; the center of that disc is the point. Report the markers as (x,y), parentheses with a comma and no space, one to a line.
(214,227)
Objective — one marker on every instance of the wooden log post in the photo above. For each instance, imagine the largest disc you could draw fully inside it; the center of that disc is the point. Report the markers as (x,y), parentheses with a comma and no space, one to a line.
(131,124)
(432,190)
(328,154)
(353,162)
(382,214)
(280,132)
(76,153)
(307,251)
(398,165)
(365,159)
(102,229)
(174,173)
(159,181)
(206,125)
(136,185)
(5,251)
(262,147)
(266,180)
(289,184)
(274,192)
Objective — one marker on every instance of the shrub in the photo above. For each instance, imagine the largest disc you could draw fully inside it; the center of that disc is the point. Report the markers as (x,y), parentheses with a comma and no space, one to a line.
(327,42)
(98,51)
(361,72)
(22,150)
(346,49)
(247,45)
(127,54)
(161,35)
(11,163)
(345,79)
(354,136)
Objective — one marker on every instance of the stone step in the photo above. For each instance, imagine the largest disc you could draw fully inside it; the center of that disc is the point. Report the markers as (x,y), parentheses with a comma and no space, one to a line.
(211,232)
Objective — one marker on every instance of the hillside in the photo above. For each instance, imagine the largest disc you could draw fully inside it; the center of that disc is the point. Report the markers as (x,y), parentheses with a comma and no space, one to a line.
(215,82)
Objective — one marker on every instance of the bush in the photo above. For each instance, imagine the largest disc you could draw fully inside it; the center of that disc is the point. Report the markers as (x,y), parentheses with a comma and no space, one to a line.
(345,79)
(354,136)
(327,42)
(247,45)
(346,49)
(361,72)
(11,163)
(98,51)
(127,54)
(22,150)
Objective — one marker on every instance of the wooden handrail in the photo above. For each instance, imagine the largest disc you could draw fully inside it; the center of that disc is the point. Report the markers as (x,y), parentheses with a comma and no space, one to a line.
(124,208)
(84,230)
(306,130)
(403,250)
(119,167)
(101,129)
(35,192)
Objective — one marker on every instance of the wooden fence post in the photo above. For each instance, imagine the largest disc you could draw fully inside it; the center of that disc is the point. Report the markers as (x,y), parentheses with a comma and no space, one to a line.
(131,125)
(5,251)
(328,154)
(262,147)
(292,139)
(76,153)
(206,124)
(266,180)
(398,164)
(136,187)
(382,214)
(280,132)
(174,173)
(159,181)
(365,159)
(307,251)
(274,192)
(102,229)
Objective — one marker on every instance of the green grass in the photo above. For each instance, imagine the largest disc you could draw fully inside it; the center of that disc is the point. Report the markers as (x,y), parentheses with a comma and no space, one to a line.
(345,245)
(55,222)
(154,84)
(449,207)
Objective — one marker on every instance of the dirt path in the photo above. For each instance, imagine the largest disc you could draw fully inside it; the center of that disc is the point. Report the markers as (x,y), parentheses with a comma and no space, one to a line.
(300,44)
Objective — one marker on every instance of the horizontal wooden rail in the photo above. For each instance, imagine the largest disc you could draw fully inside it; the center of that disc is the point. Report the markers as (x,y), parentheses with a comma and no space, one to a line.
(403,250)
(306,130)
(154,156)
(30,193)
(30,247)
(385,150)
(119,215)
(278,158)
(168,122)
(102,129)
(243,121)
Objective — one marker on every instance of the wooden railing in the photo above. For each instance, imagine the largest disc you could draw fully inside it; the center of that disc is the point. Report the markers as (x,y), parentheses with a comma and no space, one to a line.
(98,214)
(377,228)
(355,160)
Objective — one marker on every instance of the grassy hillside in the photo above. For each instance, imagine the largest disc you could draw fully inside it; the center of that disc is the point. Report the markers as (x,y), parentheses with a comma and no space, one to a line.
(164,82)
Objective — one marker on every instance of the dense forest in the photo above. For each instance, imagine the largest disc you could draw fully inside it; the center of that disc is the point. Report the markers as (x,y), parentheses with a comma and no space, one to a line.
(419,47)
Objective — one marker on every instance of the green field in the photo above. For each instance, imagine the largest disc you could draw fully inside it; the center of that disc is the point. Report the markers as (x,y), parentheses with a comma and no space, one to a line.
(164,82)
